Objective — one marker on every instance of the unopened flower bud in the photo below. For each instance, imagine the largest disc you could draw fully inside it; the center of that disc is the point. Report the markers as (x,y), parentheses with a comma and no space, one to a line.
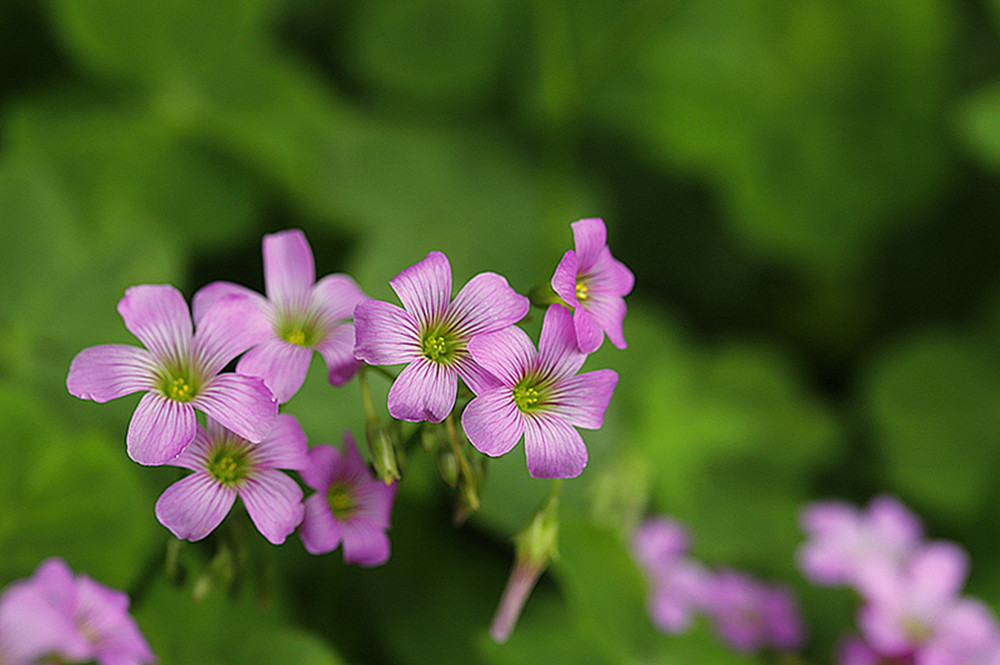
(448,467)
(383,451)
(543,295)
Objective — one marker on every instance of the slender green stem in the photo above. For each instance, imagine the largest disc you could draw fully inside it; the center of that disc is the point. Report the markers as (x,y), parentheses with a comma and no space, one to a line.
(366,394)
(463,463)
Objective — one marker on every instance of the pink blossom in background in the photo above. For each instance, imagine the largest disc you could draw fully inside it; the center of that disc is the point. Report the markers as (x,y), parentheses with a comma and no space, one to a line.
(679,583)
(750,615)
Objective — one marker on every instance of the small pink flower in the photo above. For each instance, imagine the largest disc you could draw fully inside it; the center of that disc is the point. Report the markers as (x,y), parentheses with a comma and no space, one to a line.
(750,615)
(679,583)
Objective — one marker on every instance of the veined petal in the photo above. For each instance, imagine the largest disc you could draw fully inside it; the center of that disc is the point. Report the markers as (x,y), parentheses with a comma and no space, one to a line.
(320,531)
(212,293)
(507,354)
(589,236)
(609,313)
(281,365)
(582,400)
(193,506)
(336,296)
(337,349)
(274,502)
(285,447)
(477,377)
(553,448)
(242,404)
(424,390)
(32,625)
(609,275)
(425,288)
(323,460)
(158,315)
(289,269)
(485,304)
(108,371)
(588,331)
(195,454)
(564,278)
(231,326)
(352,467)
(374,500)
(160,429)
(364,543)
(493,422)
(558,353)
(384,334)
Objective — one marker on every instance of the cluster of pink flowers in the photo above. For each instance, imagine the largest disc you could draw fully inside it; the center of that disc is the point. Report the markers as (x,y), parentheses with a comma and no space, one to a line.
(56,617)
(747,613)
(912,608)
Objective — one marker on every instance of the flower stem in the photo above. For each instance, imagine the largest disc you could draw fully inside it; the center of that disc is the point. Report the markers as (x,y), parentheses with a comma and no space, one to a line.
(463,464)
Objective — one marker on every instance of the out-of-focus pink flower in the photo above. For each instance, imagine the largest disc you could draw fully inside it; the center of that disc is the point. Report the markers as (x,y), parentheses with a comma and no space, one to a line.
(750,615)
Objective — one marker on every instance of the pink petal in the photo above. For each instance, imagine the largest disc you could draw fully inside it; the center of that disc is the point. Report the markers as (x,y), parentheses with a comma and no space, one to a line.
(493,422)
(564,278)
(34,624)
(289,269)
(385,334)
(609,314)
(322,460)
(158,315)
(231,326)
(374,500)
(193,506)
(424,390)
(553,448)
(337,349)
(108,371)
(337,296)
(589,237)
(558,354)
(507,354)
(285,447)
(477,377)
(364,543)
(281,365)
(196,454)
(352,467)
(609,276)
(485,304)
(274,502)
(160,429)
(589,334)
(425,288)
(242,404)
(210,294)
(320,530)
(938,571)
(582,400)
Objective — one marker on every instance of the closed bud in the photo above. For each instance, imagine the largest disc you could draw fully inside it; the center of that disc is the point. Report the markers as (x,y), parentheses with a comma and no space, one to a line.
(543,295)
(448,467)
(383,451)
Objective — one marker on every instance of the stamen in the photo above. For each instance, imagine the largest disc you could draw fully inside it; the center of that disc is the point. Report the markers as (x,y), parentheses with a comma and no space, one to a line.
(295,336)
(435,347)
(226,469)
(340,500)
(180,390)
(582,291)
(526,397)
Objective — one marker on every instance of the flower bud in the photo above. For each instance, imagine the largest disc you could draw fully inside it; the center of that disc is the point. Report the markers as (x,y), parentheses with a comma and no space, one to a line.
(383,451)
(448,467)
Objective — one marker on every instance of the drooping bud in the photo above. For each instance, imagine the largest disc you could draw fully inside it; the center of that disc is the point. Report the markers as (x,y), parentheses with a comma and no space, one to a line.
(543,295)
(448,467)
(383,451)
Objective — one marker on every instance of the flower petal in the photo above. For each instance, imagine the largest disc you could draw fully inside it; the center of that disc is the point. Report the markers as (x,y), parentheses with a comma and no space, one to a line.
(374,500)
(336,296)
(352,467)
(323,461)
(564,278)
(160,429)
(609,276)
(582,400)
(289,269)
(589,237)
(158,315)
(553,448)
(210,294)
(424,390)
(589,334)
(558,353)
(425,288)
(286,447)
(384,334)
(281,365)
(242,404)
(231,326)
(195,454)
(364,543)
(337,349)
(274,502)
(320,530)
(493,422)
(507,354)
(477,377)
(485,304)
(193,506)
(108,371)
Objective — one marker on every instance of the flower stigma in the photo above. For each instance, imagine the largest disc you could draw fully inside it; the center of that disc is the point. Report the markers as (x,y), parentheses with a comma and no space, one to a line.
(436,348)
(526,396)
(340,500)
(177,387)
(227,466)
(582,291)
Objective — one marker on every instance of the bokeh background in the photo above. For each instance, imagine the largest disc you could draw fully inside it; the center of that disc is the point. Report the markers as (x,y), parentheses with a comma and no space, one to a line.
(808,192)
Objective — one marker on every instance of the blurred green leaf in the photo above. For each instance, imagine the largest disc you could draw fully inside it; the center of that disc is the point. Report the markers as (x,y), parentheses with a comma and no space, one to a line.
(979,124)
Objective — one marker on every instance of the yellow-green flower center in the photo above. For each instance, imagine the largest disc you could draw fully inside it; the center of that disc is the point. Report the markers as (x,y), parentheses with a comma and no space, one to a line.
(301,332)
(440,345)
(228,466)
(528,396)
(340,500)
(435,347)
(180,390)
(582,292)
(179,385)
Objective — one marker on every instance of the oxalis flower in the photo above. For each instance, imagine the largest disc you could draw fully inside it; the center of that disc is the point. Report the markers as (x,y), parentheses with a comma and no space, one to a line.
(540,396)
(225,466)
(594,284)
(180,370)
(303,316)
(432,333)
(350,506)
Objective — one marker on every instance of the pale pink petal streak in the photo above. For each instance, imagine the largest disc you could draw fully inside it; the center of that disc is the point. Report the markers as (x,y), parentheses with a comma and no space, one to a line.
(364,543)
(485,304)
(320,531)
(336,296)
(231,326)
(160,429)
(425,287)
(318,473)
(289,269)
(385,334)
(553,448)
(337,349)
(193,506)
(210,294)
(109,371)
(424,390)
(564,278)
(281,365)
(493,422)
(507,354)
(274,502)
(589,237)
(158,315)
(583,400)
(558,354)
(242,404)
(286,447)
(196,454)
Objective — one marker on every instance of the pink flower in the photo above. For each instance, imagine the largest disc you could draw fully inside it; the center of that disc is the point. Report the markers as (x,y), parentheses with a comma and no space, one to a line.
(432,334)
(594,284)
(750,615)
(350,506)
(226,466)
(301,314)
(679,583)
(539,396)
(179,371)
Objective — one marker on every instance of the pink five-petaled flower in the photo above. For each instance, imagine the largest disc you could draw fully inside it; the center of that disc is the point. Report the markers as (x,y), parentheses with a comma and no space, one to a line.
(226,465)
(594,284)
(302,314)
(750,615)
(349,506)
(53,616)
(432,334)
(540,396)
(180,371)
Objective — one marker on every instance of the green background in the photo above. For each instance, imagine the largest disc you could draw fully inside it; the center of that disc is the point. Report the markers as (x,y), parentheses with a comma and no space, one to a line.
(808,192)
